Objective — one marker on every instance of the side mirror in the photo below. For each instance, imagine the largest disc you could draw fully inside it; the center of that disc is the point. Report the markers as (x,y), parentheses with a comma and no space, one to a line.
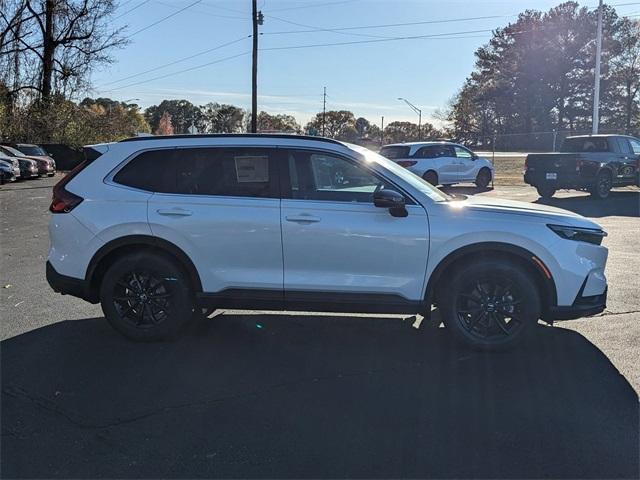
(392,200)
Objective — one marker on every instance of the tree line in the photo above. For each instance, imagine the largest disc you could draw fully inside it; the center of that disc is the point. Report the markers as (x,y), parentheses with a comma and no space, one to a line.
(535,75)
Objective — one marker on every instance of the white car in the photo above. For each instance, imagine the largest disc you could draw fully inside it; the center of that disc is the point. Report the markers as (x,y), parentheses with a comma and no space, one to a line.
(158,228)
(441,163)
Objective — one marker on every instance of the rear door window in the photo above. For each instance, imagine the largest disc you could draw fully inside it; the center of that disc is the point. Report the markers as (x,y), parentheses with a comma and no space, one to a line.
(234,172)
(588,144)
(394,152)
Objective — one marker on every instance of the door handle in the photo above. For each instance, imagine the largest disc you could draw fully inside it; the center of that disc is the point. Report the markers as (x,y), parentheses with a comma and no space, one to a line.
(302,218)
(174,212)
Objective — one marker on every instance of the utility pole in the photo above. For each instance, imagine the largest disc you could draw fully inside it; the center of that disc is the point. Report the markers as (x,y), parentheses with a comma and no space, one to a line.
(382,131)
(596,87)
(324,108)
(258,19)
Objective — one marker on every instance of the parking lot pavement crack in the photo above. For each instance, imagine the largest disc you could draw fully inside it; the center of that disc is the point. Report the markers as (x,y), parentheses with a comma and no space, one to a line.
(77,420)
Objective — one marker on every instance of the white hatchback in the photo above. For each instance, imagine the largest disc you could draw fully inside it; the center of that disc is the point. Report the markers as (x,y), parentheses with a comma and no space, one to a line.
(441,163)
(157,228)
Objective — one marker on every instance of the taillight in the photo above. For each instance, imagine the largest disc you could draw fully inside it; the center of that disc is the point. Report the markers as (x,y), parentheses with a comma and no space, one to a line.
(63,200)
(406,163)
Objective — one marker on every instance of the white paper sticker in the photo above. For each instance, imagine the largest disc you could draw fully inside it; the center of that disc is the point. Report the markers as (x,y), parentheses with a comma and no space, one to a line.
(252,168)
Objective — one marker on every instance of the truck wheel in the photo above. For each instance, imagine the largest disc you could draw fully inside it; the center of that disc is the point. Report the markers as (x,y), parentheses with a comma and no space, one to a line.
(483,179)
(602,187)
(431,177)
(490,304)
(146,297)
(546,191)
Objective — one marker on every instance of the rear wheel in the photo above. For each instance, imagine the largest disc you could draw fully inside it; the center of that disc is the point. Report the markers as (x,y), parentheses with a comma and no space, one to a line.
(431,177)
(546,191)
(490,304)
(484,178)
(602,187)
(146,297)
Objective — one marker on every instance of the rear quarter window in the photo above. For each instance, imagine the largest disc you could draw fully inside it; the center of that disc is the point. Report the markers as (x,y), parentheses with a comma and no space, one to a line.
(395,152)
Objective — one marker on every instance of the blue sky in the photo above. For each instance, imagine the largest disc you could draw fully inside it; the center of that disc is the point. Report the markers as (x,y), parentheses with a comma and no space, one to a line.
(366,77)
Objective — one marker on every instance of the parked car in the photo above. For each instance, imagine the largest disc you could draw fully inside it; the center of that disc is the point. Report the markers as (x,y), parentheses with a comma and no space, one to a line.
(154,228)
(441,163)
(595,163)
(46,165)
(28,168)
(9,168)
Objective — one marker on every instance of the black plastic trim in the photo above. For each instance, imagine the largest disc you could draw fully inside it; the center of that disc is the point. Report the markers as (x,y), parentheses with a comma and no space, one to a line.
(339,302)
(65,285)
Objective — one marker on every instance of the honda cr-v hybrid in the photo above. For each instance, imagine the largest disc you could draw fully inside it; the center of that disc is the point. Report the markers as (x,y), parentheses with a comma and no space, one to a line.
(155,228)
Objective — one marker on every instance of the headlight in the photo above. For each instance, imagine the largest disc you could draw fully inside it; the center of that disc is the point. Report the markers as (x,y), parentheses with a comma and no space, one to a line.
(579,234)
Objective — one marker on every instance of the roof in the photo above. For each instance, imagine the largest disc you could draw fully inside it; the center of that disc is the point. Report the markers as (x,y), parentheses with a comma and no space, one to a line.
(601,135)
(411,144)
(232,135)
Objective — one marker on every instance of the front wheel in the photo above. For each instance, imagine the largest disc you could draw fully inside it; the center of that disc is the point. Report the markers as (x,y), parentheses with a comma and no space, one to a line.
(146,297)
(490,304)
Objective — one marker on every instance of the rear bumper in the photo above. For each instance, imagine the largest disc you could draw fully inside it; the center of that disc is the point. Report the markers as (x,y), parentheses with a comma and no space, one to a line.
(537,178)
(65,285)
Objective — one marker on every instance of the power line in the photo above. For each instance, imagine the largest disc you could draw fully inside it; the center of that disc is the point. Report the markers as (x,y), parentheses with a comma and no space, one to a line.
(204,12)
(180,60)
(163,19)
(131,9)
(426,22)
(313,5)
(181,71)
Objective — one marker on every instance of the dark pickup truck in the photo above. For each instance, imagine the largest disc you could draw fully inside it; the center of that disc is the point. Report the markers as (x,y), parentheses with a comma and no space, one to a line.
(595,163)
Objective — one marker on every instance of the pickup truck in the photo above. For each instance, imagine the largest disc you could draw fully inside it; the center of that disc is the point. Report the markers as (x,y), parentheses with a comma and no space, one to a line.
(595,163)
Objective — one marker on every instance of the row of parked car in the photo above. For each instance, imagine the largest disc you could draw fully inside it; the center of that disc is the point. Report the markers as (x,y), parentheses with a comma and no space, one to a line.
(24,161)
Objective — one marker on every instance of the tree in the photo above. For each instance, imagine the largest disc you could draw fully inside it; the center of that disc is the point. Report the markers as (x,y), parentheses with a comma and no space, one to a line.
(362,127)
(339,124)
(276,123)
(183,115)
(223,118)
(408,132)
(51,46)
(626,74)
(165,127)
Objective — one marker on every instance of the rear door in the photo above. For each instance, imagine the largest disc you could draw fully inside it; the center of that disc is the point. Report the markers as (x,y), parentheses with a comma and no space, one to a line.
(336,240)
(467,166)
(221,206)
(440,158)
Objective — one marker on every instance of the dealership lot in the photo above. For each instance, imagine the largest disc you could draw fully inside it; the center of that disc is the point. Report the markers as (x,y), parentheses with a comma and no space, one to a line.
(257,394)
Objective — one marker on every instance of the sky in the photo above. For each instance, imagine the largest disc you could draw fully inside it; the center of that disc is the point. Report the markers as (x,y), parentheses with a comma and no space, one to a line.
(207,44)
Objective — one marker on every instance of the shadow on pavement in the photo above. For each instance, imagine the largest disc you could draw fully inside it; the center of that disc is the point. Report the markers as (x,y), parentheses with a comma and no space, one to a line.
(619,203)
(311,396)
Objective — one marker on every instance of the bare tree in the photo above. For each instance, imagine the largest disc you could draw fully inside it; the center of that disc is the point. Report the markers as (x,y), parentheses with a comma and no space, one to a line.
(51,46)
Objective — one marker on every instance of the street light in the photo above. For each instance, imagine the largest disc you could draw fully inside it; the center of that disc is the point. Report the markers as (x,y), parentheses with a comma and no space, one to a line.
(418,111)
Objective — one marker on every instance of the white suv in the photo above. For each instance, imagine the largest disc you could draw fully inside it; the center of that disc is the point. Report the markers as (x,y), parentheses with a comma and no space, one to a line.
(441,163)
(157,228)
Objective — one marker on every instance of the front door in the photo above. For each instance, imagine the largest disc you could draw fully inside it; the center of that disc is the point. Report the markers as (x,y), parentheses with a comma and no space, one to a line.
(466,164)
(337,245)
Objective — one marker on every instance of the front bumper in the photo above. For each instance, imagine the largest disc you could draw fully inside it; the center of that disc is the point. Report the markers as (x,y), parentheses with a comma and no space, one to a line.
(581,307)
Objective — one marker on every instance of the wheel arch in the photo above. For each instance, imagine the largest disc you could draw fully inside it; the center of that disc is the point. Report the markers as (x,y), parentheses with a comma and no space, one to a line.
(541,273)
(128,244)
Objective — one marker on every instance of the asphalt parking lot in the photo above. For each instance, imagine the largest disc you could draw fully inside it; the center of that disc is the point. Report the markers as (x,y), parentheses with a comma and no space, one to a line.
(257,394)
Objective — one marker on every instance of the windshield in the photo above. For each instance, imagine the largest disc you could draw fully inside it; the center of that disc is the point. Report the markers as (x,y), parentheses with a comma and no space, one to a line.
(10,151)
(32,150)
(415,181)
(394,152)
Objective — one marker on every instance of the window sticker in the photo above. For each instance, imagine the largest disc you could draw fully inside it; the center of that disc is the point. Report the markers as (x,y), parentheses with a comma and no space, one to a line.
(252,168)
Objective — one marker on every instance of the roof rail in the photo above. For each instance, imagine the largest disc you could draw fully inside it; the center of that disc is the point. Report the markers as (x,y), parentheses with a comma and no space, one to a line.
(231,135)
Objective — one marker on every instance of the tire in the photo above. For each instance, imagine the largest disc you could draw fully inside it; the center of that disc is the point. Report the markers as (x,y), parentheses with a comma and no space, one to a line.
(490,304)
(483,179)
(431,177)
(602,187)
(546,191)
(146,297)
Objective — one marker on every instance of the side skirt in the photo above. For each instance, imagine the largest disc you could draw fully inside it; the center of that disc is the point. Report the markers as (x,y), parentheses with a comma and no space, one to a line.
(338,302)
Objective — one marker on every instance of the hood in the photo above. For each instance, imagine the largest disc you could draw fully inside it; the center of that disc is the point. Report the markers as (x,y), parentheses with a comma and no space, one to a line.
(46,158)
(514,207)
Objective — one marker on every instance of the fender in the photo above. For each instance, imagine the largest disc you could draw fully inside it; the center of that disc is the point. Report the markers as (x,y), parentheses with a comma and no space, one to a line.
(544,275)
(146,240)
